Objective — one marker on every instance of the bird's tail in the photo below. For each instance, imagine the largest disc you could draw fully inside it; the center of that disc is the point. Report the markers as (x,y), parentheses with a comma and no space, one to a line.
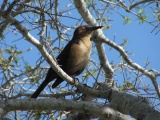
(40,88)
(57,82)
(50,76)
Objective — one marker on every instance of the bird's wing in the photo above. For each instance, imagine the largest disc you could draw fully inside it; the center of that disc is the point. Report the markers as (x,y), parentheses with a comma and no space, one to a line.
(63,56)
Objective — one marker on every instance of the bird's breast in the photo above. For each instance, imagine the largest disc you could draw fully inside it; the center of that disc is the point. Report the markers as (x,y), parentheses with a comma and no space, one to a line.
(78,57)
(80,51)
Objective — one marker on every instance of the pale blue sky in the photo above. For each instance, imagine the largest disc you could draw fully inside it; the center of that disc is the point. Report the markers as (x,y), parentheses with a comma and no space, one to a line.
(141,41)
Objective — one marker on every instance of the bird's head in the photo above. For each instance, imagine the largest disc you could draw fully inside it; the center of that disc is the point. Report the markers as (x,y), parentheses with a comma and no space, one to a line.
(84,31)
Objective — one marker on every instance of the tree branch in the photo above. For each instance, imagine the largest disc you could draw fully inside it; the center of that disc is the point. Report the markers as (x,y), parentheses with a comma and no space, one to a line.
(46,55)
(11,6)
(139,2)
(13,13)
(40,47)
(128,104)
(134,106)
(86,15)
(61,104)
(80,4)
(151,75)
(42,32)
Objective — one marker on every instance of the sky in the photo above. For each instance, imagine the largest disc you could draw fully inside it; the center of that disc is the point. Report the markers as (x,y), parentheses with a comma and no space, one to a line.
(141,40)
(144,43)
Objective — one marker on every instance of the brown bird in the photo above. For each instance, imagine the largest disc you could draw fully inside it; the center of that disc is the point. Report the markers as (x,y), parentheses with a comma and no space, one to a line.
(73,59)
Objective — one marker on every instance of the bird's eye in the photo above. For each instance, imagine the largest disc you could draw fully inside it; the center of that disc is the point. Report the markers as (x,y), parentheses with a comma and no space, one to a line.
(86,28)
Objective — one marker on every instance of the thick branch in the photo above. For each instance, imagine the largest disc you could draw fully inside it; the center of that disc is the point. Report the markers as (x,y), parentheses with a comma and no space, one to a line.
(134,106)
(11,6)
(42,32)
(60,104)
(137,107)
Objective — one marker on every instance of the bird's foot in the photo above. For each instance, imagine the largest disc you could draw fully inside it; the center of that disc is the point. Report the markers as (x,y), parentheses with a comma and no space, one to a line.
(76,79)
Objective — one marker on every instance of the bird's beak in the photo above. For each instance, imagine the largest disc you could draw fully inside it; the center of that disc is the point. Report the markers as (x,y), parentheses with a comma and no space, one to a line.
(95,28)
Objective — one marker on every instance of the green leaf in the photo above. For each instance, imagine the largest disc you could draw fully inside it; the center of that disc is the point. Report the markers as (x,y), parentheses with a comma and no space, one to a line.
(140,11)
(131,53)
(86,1)
(141,15)
(129,84)
(142,18)
(10,58)
(127,20)
(125,41)
(19,52)
(29,68)
(122,89)
(37,117)
(16,61)
(32,80)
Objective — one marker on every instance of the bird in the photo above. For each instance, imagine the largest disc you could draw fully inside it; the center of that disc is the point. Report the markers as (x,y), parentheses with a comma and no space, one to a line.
(73,59)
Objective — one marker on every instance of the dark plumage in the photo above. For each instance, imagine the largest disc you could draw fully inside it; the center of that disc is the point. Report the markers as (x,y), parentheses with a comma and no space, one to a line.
(73,59)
